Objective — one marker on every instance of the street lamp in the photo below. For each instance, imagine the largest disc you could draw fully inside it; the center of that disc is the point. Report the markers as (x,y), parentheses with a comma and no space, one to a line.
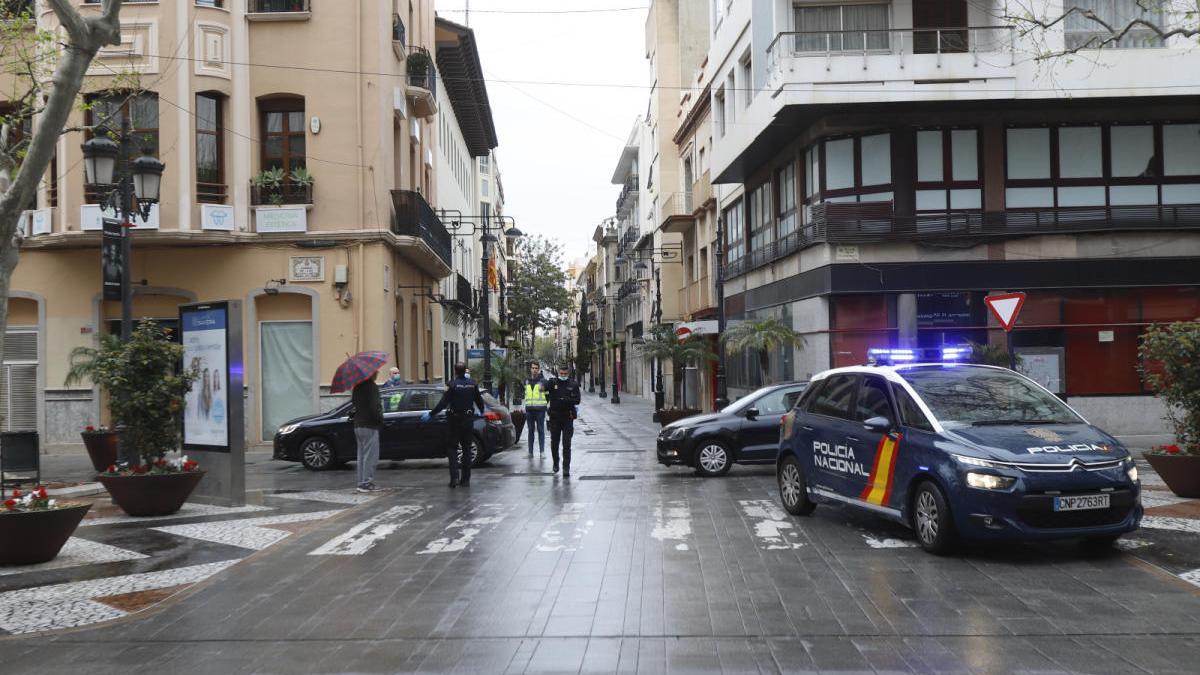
(722,399)
(656,366)
(133,191)
(602,303)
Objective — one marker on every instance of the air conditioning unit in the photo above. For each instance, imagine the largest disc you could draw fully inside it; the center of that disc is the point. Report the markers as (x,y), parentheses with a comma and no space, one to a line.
(399,103)
(428,158)
(414,130)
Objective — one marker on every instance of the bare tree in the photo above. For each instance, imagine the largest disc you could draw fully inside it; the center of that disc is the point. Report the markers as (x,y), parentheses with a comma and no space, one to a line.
(45,97)
(1090,25)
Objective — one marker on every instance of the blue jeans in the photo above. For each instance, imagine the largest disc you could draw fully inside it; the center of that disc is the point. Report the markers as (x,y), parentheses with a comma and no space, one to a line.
(535,419)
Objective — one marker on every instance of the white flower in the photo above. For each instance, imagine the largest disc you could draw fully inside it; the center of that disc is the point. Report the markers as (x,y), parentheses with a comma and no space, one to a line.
(50,504)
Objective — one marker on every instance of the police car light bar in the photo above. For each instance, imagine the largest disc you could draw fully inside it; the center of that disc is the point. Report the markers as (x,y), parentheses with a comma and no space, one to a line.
(887,355)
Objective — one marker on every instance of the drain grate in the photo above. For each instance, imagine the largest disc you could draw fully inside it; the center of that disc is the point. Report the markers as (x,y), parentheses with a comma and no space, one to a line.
(607,477)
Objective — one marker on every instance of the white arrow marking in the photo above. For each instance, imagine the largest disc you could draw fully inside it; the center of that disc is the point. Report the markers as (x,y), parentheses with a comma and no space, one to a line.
(363,536)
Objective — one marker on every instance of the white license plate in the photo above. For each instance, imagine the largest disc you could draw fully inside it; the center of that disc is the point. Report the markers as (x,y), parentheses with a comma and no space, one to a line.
(1081,502)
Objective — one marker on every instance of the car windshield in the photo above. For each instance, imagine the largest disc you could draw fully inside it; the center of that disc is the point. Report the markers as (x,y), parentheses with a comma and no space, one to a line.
(970,396)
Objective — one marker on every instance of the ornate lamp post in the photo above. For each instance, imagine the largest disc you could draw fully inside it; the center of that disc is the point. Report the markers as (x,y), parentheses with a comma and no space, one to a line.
(722,399)
(657,366)
(602,303)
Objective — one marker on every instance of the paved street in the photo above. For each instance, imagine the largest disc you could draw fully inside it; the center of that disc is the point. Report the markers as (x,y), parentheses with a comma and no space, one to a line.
(629,567)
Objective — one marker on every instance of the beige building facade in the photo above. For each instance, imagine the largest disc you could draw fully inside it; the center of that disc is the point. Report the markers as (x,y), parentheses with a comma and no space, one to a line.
(342,253)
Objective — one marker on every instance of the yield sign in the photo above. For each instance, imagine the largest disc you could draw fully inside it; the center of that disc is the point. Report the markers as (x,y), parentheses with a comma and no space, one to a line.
(1005,308)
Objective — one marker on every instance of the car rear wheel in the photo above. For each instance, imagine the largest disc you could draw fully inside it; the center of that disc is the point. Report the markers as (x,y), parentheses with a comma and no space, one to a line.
(316,454)
(480,454)
(793,488)
(713,459)
(931,519)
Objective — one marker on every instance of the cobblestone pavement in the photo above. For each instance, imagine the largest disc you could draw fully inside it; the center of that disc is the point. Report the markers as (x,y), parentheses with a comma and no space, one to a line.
(629,567)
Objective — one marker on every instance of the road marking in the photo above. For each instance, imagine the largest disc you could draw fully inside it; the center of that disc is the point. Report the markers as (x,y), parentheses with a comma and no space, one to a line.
(461,533)
(672,523)
(251,533)
(1192,577)
(773,529)
(363,536)
(1132,544)
(330,496)
(888,542)
(565,532)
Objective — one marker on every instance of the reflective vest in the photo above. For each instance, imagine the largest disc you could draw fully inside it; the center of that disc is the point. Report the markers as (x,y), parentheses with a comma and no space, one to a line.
(535,397)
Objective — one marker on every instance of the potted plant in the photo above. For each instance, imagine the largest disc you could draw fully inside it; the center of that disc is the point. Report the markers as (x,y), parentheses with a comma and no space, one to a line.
(268,186)
(34,527)
(420,65)
(146,390)
(302,181)
(763,337)
(1170,355)
(102,445)
(664,345)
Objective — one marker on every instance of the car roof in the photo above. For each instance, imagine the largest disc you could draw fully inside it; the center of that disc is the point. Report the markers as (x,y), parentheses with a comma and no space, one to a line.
(895,372)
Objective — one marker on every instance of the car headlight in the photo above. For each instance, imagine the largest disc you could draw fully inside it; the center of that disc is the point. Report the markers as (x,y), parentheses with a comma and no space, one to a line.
(1132,472)
(975,461)
(284,431)
(987,481)
(677,434)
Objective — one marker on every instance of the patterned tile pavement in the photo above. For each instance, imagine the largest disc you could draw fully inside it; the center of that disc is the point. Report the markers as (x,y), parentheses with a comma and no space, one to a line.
(525,572)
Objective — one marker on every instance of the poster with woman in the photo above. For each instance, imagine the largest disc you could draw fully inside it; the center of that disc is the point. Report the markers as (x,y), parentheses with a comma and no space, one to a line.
(206,421)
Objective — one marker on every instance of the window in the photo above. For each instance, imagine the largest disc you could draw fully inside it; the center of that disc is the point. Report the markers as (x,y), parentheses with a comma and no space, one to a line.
(910,413)
(1085,33)
(483,165)
(1100,166)
(111,111)
(835,397)
(731,100)
(785,180)
(210,159)
(484,188)
(854,169)
(734,233)
(836,28)
(778,402)
(873,400)
(762,231)
(719,111)
(948,170)
(747,80)
(283,139)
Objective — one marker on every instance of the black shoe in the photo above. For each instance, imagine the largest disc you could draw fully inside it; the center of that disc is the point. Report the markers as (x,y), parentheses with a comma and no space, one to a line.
(465,483)
(556,468)
(567,474)
(453,483)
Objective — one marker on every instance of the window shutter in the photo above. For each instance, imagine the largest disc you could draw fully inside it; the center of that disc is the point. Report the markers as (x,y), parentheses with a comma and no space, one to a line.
(20,346)
(20,397)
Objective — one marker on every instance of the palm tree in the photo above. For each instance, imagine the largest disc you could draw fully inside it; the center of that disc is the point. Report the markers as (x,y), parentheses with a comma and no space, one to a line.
(664,345)
(508,372)
(764,337)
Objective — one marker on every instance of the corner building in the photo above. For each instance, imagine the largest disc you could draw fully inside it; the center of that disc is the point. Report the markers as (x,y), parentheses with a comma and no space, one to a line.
(898,162)
(346,261)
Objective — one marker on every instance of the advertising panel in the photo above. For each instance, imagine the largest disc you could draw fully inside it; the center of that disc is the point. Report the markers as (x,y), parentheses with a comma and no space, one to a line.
(205,338)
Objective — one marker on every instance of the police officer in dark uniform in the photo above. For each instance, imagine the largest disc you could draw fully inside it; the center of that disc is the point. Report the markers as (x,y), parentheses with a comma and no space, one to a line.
(461,397)
(562,395)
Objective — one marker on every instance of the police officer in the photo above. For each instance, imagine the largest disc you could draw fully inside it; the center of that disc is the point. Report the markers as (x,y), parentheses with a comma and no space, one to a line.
(461,397)
(562,395)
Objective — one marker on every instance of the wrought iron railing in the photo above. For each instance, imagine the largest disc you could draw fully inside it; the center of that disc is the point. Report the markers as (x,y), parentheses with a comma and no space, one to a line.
(415,218)
(465,292)
(421,70)
(269,6)
(284,193)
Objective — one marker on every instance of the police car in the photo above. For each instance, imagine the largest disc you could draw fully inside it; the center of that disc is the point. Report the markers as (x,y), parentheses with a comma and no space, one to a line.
(955,451)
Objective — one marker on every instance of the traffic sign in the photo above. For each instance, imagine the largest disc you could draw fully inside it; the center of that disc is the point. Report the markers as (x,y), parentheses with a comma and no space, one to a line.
(1005,308)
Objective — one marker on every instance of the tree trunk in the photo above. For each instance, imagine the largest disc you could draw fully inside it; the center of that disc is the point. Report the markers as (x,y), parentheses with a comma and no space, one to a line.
(764,364)
(85,37)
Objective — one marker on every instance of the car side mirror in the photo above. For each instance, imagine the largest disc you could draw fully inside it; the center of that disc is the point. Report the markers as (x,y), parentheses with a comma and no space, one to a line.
(751,413)
(878,424)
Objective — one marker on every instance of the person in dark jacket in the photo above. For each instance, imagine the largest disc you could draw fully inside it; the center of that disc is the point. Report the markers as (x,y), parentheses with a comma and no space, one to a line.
(460,400)
(562,395)
(368,419)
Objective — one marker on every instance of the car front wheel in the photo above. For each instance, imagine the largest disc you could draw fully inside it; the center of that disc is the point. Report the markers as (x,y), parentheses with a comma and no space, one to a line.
(793,489)
(316,454)
(931,519)
(713,459)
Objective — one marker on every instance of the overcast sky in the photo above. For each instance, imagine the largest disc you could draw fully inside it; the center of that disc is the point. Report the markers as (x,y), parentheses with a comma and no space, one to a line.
(557,165)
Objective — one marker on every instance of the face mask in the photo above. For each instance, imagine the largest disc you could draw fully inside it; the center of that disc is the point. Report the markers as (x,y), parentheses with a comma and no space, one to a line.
(563,377)
(467,374)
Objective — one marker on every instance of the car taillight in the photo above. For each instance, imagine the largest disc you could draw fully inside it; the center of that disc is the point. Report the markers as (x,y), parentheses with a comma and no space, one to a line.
(786,425)
(492,416)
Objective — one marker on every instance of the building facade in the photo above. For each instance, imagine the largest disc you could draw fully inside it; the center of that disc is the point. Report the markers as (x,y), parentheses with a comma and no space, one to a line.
(308,190)
(899,162)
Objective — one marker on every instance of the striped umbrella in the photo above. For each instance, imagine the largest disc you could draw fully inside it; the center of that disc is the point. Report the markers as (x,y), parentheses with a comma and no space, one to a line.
(356,369)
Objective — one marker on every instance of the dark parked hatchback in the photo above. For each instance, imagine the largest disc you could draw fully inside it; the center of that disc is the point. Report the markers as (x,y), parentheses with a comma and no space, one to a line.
(744,432)
(327,440)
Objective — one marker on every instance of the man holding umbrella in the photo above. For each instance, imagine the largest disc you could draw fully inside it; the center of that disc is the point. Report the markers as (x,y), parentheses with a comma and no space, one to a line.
(359,373)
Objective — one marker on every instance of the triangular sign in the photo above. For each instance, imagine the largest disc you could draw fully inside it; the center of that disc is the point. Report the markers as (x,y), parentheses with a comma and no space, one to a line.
(1005,308)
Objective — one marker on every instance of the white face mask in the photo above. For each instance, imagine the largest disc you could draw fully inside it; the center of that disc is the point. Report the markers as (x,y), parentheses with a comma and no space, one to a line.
(467,374)
(563,377)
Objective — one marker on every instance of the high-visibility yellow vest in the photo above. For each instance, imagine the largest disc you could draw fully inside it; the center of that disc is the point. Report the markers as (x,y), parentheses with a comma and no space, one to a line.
(534,396)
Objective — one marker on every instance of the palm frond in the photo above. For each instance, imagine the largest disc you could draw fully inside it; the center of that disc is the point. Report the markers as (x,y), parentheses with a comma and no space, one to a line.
(761,335)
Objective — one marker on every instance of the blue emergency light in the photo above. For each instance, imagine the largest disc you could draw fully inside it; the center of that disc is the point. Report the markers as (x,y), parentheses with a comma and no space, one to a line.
(887,356)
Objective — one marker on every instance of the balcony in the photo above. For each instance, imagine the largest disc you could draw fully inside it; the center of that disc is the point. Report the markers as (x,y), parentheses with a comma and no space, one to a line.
(464,294)
(629,238)
(399,37)
(850,223)
(696,297)
(675,211)
(284,193)
(882,56)
(278,10)
(422,82)
(628,193)
(414,218)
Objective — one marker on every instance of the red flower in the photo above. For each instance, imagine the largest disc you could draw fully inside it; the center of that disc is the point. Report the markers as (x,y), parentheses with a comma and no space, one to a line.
(17,494)
(89,428)
(190,465)
(41,493)
(161,462)
(1173,449)
(10,504)
(141,468)
(112,468)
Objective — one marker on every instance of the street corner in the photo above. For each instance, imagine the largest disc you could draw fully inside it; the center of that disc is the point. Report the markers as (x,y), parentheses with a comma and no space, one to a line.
(117,566)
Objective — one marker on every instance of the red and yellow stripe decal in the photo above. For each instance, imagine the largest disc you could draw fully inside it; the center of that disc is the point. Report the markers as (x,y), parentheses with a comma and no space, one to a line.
(879,485)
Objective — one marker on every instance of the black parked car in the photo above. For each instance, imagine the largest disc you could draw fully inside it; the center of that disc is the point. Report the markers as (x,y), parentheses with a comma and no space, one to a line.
(744,432)
(327,440)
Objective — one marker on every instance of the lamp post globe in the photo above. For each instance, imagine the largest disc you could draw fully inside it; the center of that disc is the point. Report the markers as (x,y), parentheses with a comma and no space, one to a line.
(147,178)
(100,158)
(513,233)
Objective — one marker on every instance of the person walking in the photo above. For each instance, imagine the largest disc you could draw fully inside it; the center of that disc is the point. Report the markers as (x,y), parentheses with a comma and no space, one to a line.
(535,407)
(368,419)
(562,396)
(460,400)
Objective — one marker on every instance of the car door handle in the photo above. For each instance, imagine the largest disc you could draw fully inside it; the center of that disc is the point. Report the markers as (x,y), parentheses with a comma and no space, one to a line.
(853,439)
(807,428)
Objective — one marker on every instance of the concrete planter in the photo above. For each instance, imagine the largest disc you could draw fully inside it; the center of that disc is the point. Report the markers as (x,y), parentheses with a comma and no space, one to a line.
(1181,473)
(151,495)
(102,448)
(32,537)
